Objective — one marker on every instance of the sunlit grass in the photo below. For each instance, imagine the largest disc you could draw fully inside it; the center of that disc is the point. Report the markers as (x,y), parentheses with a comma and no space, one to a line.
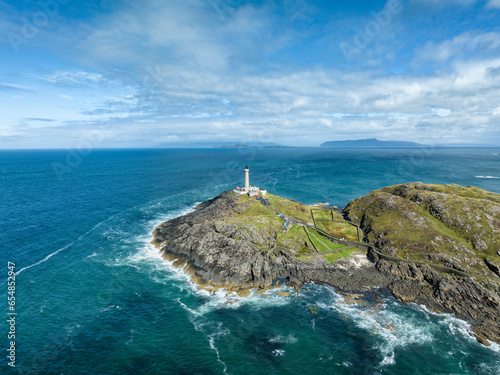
(337,255)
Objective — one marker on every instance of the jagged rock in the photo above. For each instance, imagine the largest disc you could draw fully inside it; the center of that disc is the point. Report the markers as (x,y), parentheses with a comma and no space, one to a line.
(493,265)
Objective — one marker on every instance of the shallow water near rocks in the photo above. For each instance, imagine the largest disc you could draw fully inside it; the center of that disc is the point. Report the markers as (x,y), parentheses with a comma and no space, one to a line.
(94,296)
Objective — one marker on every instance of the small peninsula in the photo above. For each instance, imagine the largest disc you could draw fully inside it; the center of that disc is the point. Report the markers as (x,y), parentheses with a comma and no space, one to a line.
(435,245)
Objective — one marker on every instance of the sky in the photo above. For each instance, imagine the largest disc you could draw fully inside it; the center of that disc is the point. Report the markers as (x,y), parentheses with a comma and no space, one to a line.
(167,73)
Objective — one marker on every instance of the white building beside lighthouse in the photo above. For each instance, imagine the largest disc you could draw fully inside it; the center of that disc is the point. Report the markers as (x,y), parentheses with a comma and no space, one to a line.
(250,190)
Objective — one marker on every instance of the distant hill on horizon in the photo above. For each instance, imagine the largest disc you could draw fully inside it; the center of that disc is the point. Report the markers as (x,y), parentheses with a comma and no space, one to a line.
(370,142)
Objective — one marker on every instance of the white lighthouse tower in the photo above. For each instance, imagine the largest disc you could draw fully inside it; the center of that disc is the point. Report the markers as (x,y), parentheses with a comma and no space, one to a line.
(247,178)
(250,190)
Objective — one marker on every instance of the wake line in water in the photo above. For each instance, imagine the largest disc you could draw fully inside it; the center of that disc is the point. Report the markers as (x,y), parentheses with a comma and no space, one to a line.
(64,248)
(82,236)
(199,325)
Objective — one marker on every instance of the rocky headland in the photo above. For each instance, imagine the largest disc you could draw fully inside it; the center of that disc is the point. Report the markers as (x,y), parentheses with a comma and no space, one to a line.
(430,244)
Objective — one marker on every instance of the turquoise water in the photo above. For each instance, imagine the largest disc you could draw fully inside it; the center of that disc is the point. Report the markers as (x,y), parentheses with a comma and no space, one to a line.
(94,297)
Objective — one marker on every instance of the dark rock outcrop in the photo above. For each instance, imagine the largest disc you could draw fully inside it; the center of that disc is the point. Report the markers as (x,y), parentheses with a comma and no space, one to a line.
(475,301)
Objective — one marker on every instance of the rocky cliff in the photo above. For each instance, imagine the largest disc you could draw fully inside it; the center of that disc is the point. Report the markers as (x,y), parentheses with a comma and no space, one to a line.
(451,226)
(237,243)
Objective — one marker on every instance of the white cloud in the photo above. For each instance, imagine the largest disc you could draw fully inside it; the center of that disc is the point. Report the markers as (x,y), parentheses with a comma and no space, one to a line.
(442,112)
(304,104)
(185,69)
(74,78)
(7,86)
(494,4)
(170,138)
(464,46)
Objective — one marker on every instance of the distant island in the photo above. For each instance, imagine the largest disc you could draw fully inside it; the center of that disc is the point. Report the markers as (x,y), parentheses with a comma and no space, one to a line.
(370,142)
(435,245)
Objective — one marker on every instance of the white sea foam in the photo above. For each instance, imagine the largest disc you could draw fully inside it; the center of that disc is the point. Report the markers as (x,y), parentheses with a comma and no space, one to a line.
(457,327)
(393,329)
(396,329)
(211,340)
(222,299)
(289,339)
(110,307)
(278,352)
(131,340)
(486,177)
(494,346)
(147,258)
(145,252)
(325,357)
(388,359)
(90,256)
(117,231)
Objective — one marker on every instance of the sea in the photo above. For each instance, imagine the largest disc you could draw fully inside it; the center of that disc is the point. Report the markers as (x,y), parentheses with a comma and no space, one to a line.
(93,296)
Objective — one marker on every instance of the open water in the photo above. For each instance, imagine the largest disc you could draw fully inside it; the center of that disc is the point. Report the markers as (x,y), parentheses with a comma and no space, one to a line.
(94,297)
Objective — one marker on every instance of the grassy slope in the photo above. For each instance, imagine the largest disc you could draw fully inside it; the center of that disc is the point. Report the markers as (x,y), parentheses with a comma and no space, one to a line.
(342,230)
(291,208)
(251,212)
(323,214)
(432,222)
(322,244)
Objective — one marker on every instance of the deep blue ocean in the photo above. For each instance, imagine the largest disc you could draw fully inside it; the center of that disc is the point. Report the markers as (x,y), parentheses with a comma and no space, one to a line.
(94,297)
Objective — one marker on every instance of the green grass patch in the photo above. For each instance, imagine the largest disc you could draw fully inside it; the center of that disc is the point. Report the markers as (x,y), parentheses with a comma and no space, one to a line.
(339,229)
(296,229)
(288,207)
(322,244)
(251,211)
(320,214)
(305,258)
(297,232)
(337,255)
(295,239)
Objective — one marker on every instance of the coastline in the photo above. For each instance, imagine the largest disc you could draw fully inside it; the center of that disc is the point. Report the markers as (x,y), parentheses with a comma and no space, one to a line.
(218,254)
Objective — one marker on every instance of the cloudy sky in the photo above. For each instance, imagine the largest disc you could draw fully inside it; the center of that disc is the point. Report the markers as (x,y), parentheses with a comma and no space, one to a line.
(156,73)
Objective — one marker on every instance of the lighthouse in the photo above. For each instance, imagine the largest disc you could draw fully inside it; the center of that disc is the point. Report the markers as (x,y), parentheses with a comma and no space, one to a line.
(252,191)
(247,178)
